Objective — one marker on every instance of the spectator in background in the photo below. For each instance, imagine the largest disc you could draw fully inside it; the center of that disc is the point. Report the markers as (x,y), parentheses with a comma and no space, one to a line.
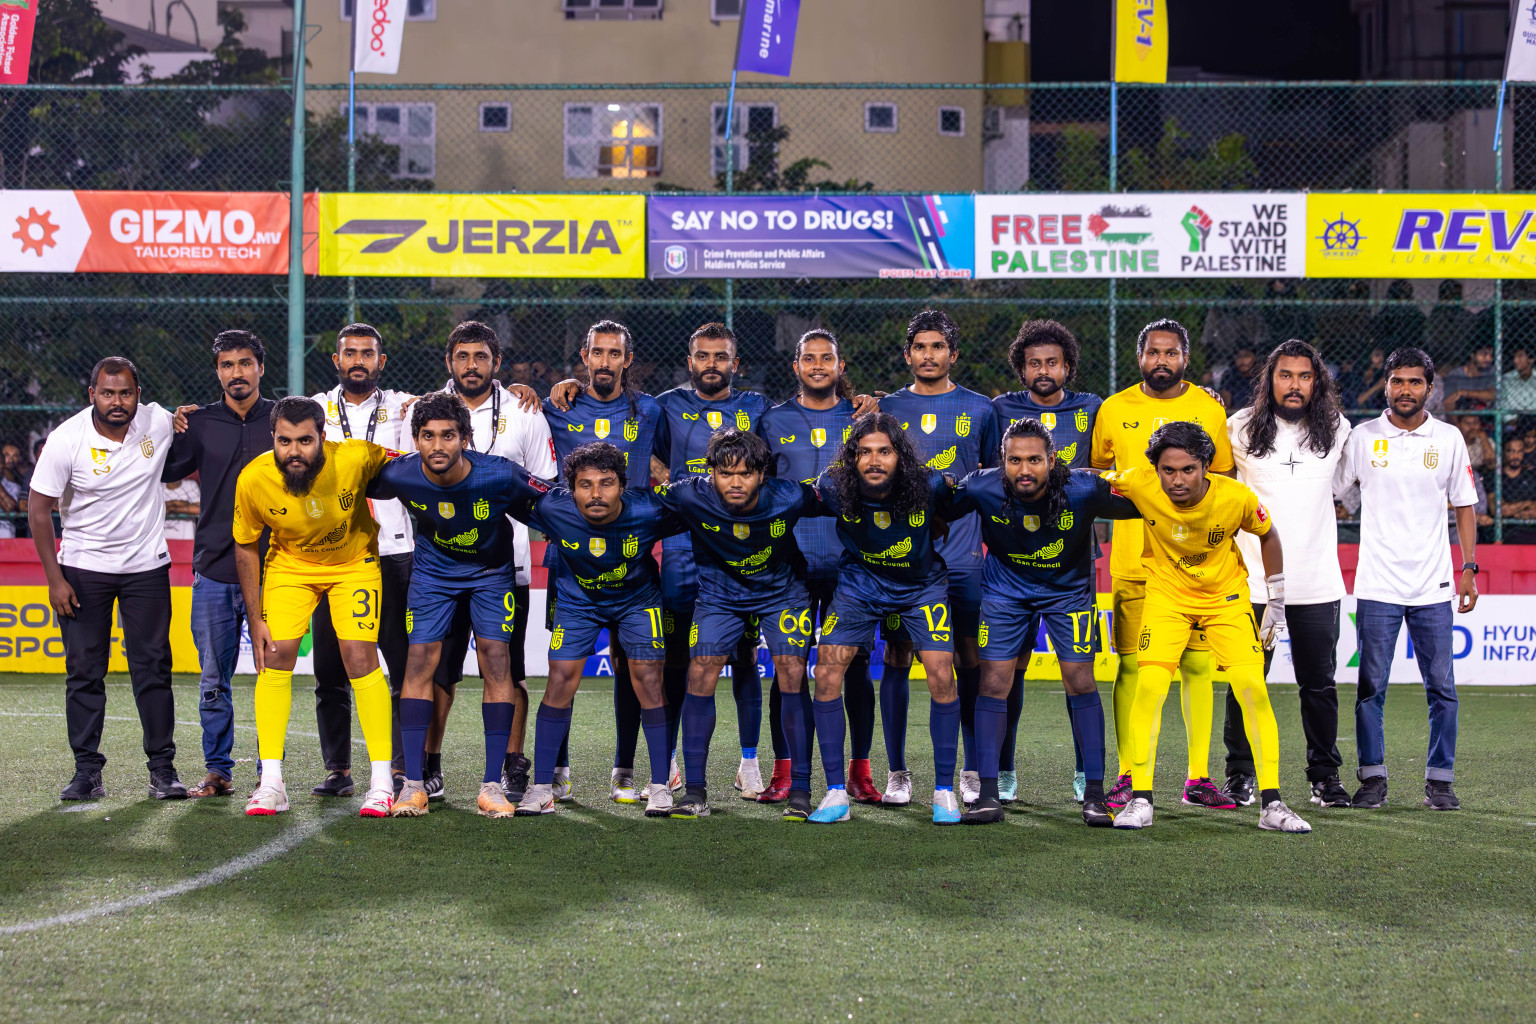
(1398,324)
(1372,381)
(1520,384)
(182,498)
(1341,328)
(13,490)
(1288,317)
(1474,384)
(520,369)
(1479,449)
(1518,492)
(1451,326)
(1237,383)
(1229,328)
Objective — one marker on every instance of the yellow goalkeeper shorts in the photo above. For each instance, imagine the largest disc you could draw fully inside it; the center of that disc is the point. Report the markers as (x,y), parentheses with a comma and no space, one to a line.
(290,593)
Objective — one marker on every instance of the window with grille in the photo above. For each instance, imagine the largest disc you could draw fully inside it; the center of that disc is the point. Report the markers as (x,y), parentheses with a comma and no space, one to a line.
(616,10)
(613,140)
(415,10)
(724,10)
(880,117)
(411,126)
(951,120)
(495,117)
(750,119)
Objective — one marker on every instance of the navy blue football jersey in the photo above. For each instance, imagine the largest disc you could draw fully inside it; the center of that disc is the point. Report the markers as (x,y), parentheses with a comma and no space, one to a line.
(602,563)
(884,549)
(1034,557)
(955,433)
(1070,421)
(462,530)
(631,431)
(804,443)
(755,549)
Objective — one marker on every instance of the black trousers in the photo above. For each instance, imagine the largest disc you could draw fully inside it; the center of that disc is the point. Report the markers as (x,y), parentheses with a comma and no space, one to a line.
(333,688)
(144,604)
(1314,632)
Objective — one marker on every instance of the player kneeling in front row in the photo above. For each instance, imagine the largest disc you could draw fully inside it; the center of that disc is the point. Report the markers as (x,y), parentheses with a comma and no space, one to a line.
(1037,519)
(751,581)
(1196,580)
(606,576)
(460,500)
(886,502)
(324,545)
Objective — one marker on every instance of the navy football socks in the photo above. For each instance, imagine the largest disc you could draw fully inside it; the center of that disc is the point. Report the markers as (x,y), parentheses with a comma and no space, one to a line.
(415,718)
(654,722)
(944,731)
(1088,732)
(550,732)
(497,717)
(895,695)
(698,719)
(830,731)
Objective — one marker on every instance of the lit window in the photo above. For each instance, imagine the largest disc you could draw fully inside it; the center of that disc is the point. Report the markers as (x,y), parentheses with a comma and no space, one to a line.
(880,117)
(951,120)
(613,140)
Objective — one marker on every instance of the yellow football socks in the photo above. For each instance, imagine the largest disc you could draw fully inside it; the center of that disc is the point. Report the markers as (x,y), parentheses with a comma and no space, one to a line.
(371,695)
(1124,695)
(1195,700)
(274,701)
(1258,722)
(1152,685)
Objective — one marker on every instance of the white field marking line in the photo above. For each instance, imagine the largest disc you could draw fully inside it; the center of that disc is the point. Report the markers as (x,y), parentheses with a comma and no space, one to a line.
(125,718)
(213,876)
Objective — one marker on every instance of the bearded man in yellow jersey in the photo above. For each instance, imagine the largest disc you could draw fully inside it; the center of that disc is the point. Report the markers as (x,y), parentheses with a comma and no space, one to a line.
(1120,432)
(324,545)
(1196,580)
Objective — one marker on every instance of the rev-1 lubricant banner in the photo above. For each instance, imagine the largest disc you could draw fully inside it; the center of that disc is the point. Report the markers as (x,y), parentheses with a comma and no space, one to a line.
(811,236)
(1421,234)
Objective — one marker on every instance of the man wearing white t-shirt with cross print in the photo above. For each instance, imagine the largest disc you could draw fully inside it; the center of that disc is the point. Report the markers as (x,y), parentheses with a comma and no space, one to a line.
(101,469)
(1409,467)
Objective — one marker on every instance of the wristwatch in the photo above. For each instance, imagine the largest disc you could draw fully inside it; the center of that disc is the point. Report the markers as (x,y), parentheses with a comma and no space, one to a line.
(1471,565)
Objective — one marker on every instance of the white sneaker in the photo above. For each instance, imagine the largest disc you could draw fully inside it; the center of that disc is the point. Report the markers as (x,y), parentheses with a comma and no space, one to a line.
(946,807)
(674,776)
(1279,818)
(562,786)
(749,778)
(1136,814)
(377,803)
(267,800)
(538,800)
(834,807)
(623,791)
(898,789)
(658,801)
(970,787)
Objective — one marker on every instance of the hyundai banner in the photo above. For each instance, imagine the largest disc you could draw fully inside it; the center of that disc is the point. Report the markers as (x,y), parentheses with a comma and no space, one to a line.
(811,236)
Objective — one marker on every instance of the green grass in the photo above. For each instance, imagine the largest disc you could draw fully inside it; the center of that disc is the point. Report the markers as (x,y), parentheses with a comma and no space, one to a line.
(598,914)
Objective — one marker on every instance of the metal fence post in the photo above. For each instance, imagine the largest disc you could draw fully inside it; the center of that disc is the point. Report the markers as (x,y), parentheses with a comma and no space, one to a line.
(1498,350)
(1114,166)
(296,213)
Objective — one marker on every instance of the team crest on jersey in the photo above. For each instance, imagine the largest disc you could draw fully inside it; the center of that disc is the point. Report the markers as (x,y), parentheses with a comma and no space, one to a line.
(1180,532)
(631,431)
(99,456)
(883,520)
(1064,521)
(1048,420)
(332,416)
(1080,420)
(1379,454)
(557,638)
(1431,458)
(776,528)
(714,419)
(1031,523)
(445,509)
(315,507)
(346,500)
(916,519)
(847,433)
(600,428)
(981,634)
(598,546)
(741,530)
(929,423)
(410,620)
(829,623)
(963,425)
(1162,421)
(818,436)
(1145,641)
(1216,534)
(482,509)
(147,446)
(383,414)
(501,425)
(743,421)
(693,635)
(631,546)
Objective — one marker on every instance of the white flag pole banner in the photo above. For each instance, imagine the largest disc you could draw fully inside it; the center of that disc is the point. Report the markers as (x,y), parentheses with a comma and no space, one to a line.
(1151,234)
(377,29)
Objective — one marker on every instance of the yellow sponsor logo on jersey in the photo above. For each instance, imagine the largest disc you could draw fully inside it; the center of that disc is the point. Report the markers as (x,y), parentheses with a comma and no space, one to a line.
(1031,523)
(1068,453)
(930,422)
(776,528)
(464,540)
(690,415)
(714,419)
(787,440)
(756,560)
(944,459)
(415,504)
(576,428)
(482,509)
(900,549)
(631,431)
(598,546)
(631,546)
(963,425)
(883,520)
(615,575)
(1045,554)
(600,428)
(445,509)
(1048,420)
(709,526)
(570,544)
(818,436)
(315,507)
(698,466)
(741,530)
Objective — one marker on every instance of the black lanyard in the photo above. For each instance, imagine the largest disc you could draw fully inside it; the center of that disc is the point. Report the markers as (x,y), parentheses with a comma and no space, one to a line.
(373,417)
(495,415)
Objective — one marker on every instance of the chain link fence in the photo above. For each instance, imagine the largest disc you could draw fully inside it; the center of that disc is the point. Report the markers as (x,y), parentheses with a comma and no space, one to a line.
(789,138)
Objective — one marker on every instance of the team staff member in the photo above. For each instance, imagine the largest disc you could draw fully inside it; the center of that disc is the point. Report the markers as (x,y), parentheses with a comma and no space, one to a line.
(358,408)
(1409,466)
(216,441)
(506,423)
(324,546)
(105,463)
(1195,580)
(954,430)
(1287,447)
(1044,357)
(1120,435)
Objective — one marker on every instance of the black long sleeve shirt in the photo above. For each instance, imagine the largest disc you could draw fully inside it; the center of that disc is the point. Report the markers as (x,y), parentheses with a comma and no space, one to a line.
(217,445)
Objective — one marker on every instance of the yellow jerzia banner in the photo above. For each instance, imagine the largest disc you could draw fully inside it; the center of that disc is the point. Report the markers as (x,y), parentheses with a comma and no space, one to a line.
(1141,40)
(433,235)
(1423,234)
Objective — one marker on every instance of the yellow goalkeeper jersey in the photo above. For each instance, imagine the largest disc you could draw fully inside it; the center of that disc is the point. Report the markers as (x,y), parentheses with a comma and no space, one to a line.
(331,525)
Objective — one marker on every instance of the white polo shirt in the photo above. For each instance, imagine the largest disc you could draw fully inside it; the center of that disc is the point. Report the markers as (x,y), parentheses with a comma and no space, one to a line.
(1296,485)
(502,427)
(392,429)
(1407,478)
(110,502)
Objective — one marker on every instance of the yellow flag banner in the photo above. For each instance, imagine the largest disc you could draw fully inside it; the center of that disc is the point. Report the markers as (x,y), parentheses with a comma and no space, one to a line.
(1421,234)
(1141,40)
(435,235)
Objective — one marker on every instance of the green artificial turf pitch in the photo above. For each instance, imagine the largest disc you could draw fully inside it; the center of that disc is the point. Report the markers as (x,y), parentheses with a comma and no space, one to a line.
(599,914)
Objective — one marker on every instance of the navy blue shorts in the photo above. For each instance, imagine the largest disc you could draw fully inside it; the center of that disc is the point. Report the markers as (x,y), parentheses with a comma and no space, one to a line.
(433,600)
(856,614)
(1008,629)
(679,575)
(635,627)
(783,619)
(965,599)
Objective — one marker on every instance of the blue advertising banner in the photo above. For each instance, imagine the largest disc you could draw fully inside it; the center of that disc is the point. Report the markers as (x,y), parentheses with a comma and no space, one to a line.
(767,43)
(840,235)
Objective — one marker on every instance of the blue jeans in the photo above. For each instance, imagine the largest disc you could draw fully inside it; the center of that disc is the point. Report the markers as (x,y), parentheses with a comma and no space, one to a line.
(1429,630)
(217,611)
